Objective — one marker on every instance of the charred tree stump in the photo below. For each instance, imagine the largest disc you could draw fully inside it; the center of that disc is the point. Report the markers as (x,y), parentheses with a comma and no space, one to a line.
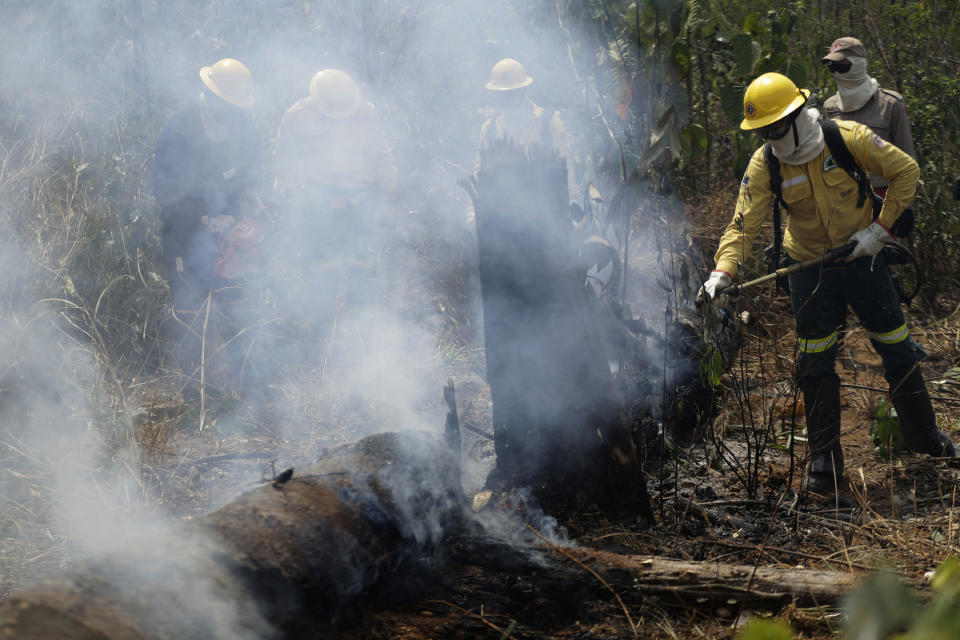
(559,424)
(284,560)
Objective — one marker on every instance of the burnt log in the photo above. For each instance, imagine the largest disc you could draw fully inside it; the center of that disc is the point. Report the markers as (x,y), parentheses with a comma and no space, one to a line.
(569,576)
(560,426)
(714,585)
(372,523)
(284,559)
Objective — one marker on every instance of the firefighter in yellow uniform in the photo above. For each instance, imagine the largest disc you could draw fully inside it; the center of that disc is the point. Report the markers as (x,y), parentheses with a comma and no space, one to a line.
(822,201)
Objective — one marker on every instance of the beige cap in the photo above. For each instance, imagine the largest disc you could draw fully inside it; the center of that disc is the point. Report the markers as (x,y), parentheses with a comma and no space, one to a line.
(843,47)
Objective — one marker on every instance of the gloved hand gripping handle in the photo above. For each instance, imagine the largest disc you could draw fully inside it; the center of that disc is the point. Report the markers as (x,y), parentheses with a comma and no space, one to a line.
(829,256)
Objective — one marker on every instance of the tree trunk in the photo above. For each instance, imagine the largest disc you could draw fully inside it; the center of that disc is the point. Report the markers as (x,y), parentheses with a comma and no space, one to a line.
(559,423)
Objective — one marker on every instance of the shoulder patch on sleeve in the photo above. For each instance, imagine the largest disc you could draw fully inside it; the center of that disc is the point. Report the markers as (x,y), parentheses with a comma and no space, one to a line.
(892,93)
(877,140)
(746,180)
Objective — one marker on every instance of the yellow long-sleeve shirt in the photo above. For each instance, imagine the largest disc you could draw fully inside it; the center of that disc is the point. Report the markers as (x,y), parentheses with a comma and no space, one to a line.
(821,196)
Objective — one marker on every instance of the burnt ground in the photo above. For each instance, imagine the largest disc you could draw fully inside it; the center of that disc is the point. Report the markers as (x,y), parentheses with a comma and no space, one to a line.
(731,498)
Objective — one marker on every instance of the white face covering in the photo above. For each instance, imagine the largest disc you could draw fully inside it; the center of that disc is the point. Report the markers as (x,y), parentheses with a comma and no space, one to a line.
(855,87)
(809,137)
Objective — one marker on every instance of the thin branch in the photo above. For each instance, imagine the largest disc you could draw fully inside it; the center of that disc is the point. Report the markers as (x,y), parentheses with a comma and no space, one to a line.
(596,575)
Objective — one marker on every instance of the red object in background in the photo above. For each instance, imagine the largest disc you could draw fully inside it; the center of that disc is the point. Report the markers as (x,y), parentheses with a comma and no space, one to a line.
(241,249)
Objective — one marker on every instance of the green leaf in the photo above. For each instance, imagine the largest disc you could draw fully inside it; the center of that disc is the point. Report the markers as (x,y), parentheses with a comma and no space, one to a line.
(941,618)
(798,72)
(885,429)
(764,629)
(693,141)
(946,578)
(744,54)
(879,607)
(697,14)
(731,100)
(750,22)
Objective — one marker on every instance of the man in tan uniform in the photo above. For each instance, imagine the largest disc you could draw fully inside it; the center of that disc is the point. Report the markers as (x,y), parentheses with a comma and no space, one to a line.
(334,169)
(861,99)
(517,117)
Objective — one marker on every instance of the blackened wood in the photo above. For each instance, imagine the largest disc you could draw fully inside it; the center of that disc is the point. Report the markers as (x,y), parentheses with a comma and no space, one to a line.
(557,417)
(686,584)
(288,563)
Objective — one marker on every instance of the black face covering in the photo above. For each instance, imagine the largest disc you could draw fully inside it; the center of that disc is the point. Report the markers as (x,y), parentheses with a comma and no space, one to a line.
(838,66)
(780,128)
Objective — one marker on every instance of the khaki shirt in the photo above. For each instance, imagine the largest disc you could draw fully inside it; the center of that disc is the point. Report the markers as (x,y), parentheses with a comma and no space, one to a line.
(886,114)
(821,196)
(352,154)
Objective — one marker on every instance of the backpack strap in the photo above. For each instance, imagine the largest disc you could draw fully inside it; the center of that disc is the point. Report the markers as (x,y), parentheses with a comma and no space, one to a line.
(776,186)
(843,157)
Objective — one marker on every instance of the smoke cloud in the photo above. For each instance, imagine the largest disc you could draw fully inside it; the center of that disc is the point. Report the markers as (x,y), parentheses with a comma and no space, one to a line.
(85,89)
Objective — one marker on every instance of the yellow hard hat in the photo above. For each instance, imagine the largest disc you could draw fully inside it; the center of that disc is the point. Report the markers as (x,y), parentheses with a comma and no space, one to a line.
(769,98)
(334,93)
(508,74)
(231,80)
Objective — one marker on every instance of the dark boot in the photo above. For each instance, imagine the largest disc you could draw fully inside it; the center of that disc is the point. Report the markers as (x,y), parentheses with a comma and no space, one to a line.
(917,419)
(821,401)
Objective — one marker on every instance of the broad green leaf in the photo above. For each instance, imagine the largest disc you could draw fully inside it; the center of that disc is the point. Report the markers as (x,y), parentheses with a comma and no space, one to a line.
(947,576)
(731,100)
(764,629)
(744,54)
(694,138)
(941,618)
(879,607)
(797,71)
(885,429)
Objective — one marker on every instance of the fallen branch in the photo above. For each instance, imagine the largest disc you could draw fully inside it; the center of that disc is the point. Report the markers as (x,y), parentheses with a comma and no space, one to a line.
(708,586)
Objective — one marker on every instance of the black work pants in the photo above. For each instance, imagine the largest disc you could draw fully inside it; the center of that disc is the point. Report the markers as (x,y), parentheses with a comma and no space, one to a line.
(820,297)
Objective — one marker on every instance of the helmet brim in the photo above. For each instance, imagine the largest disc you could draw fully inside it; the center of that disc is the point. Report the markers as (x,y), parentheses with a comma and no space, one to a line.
(493,86)
(759,123)
(205,77)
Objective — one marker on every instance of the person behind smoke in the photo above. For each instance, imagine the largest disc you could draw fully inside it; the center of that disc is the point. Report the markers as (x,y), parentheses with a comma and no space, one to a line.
(860,98)
(334,173)
(824,215)
(517,117)
(206,172)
